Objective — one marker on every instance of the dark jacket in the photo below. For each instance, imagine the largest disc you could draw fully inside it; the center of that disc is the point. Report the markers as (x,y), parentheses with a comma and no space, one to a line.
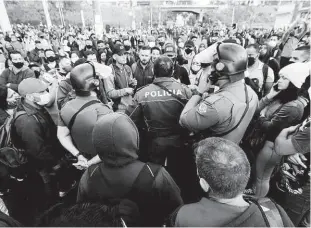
(73,46)
(36,133)
(278,116)
(157,108)
(209,213)
(3,116)
(34,56)
(115,176)
(8,76)
(180,73)
(143,76)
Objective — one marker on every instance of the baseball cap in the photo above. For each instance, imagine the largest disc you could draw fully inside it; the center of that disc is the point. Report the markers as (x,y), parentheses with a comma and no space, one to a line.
(169,49)
(31,85)
(119,49)
(151,39)
(189,43)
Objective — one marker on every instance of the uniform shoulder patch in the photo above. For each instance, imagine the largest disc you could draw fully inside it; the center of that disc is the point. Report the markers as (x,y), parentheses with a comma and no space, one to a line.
(213,98)
(202,108)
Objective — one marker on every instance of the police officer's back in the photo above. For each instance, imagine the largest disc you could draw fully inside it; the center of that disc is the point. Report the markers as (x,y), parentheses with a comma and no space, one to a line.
(227,112)
(157,108)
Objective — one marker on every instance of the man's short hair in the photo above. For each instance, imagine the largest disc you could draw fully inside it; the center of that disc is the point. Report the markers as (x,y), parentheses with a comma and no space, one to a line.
(87,53)
(155,48)
(48,50)
(100,42)
(223,165)
(144,48)
(305,48)
(14,52)
(255,46)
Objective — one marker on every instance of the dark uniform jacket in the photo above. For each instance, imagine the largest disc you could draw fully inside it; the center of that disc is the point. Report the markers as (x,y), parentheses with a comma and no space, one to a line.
(158,108)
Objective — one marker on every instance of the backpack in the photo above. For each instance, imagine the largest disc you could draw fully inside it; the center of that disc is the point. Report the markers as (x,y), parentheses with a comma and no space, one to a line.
(254,82)
(141,189)
(10,156)
(269,211)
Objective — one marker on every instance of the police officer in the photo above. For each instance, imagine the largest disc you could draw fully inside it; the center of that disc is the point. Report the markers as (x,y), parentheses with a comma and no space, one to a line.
(227,112)
(77,118)
(155,111)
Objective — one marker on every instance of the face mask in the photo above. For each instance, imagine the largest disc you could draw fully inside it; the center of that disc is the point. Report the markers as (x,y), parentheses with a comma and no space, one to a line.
(272,43)
(43,99)
(195,68)
(127,48)
(251,61)
(51,59)
(161,43)
(181,44)
(188,51)
(89,46)
(73,60)
(151,44)
(37,73)
(18,65)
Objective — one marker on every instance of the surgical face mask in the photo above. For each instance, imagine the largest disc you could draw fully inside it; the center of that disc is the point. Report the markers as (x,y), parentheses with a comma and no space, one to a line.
(18,65)
(272,43)
(73,60)
(161,43)
(37,73)
(195,68)
(127,47)
(51,58)
(43,99)
(188,51)
(151,44)
(251,61)
(181,45)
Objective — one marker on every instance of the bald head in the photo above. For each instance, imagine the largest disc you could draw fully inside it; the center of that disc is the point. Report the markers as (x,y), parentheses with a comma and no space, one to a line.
(80,75)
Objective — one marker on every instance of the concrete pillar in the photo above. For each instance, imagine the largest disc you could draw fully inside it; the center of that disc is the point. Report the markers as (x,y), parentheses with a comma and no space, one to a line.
(4,18)
(98,20)
(46,12)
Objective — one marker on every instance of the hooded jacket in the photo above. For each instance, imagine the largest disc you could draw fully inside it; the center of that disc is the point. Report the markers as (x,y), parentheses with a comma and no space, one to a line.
(209,213)
(116,140)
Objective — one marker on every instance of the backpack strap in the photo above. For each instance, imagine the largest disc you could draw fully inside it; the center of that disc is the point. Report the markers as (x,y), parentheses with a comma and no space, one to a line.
(144,181)
(270,212)
(73,118)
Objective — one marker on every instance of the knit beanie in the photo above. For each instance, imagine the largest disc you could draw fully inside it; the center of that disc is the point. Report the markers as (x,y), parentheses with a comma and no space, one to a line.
(116,139)
(296,73)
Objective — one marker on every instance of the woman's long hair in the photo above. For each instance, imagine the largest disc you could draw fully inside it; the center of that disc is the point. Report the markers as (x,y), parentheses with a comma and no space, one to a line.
(3,97)
(266,57)
(287,95)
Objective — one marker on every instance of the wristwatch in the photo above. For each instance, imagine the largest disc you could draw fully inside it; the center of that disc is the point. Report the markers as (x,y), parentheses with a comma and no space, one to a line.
(196,92)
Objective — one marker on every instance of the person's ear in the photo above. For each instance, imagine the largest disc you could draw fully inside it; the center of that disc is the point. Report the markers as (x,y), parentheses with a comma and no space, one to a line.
(114,56)
(204,185)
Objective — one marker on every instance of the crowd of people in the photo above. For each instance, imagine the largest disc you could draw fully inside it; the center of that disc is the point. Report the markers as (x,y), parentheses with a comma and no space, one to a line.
(194,126)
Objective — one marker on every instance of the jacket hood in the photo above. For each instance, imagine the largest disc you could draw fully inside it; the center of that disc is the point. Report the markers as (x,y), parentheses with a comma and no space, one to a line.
(116,139)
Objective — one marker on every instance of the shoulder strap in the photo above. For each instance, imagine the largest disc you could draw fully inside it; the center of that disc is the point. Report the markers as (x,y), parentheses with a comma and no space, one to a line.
(73,118)
(170,92)
(144,181)
(245,111)
(269,211)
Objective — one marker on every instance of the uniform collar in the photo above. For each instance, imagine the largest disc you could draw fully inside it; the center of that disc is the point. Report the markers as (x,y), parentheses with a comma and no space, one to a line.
(163,79)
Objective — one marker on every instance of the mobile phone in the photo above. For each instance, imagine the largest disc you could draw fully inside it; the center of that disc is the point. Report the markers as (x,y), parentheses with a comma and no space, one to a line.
(276,87)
